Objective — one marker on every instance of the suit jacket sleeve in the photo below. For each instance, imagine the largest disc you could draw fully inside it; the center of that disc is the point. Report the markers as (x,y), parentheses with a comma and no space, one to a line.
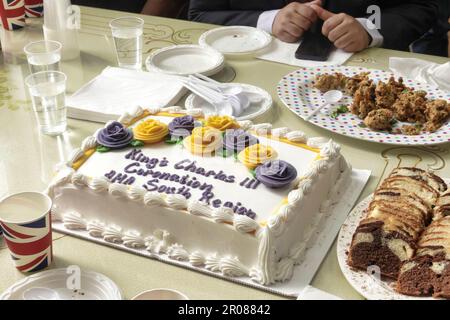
(407,21)
(218,12)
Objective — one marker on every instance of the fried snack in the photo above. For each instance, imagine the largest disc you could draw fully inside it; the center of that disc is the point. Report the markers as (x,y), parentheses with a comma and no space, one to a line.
(411,130)
(437,113)
(397,86)
(364,99)
(352,84)
(327,82)
(410,106)
(380,119)
(385,95)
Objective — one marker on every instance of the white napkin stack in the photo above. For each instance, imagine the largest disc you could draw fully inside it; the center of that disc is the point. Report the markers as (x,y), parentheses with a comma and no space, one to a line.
(117,90)
(283,52)
(422,71)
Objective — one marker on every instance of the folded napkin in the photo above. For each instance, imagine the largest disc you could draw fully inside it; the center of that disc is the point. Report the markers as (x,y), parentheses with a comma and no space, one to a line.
(117,90)
(283,52)
(422,71)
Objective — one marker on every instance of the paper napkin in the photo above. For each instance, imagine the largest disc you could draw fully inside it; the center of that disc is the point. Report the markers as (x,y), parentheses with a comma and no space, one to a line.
(422,71)
(117,90)
(283,52)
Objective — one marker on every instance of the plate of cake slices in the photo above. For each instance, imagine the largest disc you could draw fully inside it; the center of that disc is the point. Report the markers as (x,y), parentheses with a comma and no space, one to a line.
(376,106)
(395,244)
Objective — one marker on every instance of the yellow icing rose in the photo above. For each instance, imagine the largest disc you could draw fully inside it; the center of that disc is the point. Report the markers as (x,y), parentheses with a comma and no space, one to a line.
(203,141)
(255,155)
(221,122)
(150,131)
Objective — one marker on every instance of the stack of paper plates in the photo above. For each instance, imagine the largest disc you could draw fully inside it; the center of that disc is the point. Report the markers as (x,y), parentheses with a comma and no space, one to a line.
(184,60)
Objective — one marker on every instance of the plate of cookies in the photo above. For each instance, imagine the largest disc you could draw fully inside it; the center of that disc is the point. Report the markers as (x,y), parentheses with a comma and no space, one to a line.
(376,106)
(395,244)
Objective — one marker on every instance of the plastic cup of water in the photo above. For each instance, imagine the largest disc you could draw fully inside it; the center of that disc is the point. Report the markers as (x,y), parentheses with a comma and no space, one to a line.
(43,55)
(48,95)
(127,35)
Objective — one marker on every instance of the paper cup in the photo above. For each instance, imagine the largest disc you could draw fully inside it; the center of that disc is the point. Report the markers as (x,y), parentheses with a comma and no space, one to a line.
(26,223)
(160,294)
(34,8)
(12,14)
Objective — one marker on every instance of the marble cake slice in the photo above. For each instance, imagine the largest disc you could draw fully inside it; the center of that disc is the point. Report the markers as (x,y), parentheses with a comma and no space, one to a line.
(403,197)
(442,208)
(428,273)
(385,238)
(418,187)
(430,178)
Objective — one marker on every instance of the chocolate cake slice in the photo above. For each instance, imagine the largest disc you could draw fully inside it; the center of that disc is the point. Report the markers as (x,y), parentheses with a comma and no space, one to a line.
(428,273)
(399,212)
(385,238)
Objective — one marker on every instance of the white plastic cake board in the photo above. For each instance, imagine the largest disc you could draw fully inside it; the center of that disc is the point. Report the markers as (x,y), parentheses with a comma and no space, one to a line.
(303,273)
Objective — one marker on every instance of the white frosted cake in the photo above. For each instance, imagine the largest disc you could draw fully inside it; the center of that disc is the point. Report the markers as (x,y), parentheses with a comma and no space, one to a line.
(231,197)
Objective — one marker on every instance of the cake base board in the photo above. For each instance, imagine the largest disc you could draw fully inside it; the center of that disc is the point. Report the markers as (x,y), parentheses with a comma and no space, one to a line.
(303,273)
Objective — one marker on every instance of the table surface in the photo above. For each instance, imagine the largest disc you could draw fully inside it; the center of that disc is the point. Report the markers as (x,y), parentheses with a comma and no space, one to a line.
(28,159)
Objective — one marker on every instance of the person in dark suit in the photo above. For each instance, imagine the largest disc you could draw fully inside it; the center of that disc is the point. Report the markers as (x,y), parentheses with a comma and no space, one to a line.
(436,41)
(346,22)
(162,8)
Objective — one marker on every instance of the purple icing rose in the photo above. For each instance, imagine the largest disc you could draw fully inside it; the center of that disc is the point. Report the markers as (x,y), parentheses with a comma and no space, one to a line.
(182,126)
(115,136)
(238,139)
(276,173)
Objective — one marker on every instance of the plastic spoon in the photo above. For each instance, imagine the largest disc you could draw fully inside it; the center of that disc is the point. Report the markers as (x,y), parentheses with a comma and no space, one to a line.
(330,97)
(40,293)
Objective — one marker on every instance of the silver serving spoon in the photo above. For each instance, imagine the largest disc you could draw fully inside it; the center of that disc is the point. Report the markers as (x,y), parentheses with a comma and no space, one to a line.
(40,293)
(330,97)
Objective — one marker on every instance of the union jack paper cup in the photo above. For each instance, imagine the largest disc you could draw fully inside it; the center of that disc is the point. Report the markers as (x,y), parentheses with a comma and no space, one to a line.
(26,223)
(12,14)
(34,8)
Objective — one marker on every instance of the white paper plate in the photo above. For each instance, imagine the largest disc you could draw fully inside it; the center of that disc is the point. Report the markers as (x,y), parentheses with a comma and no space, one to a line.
(366,284)
(185,60)
(253,111)
(236,40)
(94,286)
(297,92)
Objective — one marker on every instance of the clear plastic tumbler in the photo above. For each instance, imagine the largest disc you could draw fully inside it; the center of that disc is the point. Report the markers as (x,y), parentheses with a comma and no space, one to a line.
(127,35)
(43,55)
(48,94)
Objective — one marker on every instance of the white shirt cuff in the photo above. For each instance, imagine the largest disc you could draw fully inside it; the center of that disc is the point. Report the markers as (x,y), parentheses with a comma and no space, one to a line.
(265,20)
(377,38)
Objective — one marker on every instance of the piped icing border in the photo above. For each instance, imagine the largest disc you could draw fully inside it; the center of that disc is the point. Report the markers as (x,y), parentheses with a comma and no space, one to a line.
(161,242)
(268,270)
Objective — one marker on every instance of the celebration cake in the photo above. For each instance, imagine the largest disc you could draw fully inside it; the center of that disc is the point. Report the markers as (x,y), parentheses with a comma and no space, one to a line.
(232,197)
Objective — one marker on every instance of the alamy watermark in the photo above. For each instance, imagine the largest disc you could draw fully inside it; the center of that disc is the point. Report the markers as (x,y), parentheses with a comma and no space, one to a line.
(374,20)
(73,281)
